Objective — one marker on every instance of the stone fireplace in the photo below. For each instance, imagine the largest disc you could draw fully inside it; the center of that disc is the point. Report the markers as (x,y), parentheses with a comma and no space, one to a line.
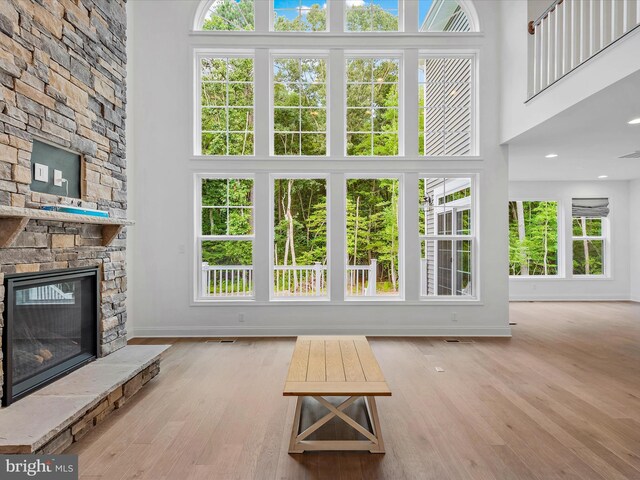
(62,80)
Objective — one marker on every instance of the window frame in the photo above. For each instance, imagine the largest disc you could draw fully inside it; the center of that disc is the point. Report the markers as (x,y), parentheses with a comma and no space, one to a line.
(408,44)
(605,238)
(401,22)
(378,54)
(199,55)
(473,237)
(199,237)
(400,177)
(298,176)
(301,54)
(560,220)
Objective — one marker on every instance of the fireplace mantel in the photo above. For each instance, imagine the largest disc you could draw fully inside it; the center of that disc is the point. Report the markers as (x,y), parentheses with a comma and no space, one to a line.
(13,220)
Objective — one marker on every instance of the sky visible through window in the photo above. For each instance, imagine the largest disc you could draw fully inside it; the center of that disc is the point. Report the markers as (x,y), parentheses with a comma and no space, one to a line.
(290,9)
(423,6)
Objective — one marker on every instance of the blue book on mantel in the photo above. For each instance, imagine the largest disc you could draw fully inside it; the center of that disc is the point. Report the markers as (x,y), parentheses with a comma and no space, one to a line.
(77,210)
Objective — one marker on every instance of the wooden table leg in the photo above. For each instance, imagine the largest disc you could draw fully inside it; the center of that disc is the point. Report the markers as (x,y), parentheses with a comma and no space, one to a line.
(295,428)
(375,420)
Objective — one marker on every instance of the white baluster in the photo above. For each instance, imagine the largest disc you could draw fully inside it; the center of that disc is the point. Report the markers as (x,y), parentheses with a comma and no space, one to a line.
(566,35)
(559,24)
(585,10)
(617,19)
(575,30)
(594,29)
(552,46)
(544,58)
(605,23)
(537,42)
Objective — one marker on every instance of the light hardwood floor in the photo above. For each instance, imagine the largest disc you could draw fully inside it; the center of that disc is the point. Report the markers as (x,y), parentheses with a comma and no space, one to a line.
(561,399)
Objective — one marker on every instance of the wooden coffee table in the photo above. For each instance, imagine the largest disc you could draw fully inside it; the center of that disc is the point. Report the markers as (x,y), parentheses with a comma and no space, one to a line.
(336,366)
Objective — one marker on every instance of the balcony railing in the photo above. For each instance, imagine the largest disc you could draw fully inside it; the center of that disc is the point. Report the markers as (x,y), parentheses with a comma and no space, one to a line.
(219,281)
(570,32)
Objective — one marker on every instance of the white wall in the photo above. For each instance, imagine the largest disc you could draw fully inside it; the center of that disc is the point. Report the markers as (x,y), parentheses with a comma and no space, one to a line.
(616,285)
(131,171)
(162,256)
(613,64)
(634,240)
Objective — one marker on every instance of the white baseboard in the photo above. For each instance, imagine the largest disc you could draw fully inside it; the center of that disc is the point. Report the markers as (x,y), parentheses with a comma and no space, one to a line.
(287,331)
(568,298)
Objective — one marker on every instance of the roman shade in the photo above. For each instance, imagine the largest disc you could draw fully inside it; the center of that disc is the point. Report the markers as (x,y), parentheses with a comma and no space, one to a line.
(590,207)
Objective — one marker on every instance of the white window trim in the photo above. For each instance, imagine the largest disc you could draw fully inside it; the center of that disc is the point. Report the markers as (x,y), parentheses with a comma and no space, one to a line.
(605,238)
(308,54)
(199,237)
(401,238)
(474,237)
(298,176)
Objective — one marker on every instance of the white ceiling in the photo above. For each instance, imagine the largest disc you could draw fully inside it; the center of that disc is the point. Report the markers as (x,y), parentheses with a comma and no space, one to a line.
(588,138)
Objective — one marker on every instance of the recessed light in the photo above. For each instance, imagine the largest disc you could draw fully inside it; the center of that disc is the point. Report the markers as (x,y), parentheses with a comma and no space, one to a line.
(551,155)
(635,121)
(603,176)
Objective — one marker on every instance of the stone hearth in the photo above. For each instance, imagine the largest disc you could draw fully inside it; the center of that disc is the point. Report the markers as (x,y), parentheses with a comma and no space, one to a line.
(51,419)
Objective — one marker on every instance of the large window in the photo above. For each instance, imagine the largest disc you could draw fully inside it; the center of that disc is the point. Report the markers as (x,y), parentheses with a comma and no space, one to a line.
(300,238)
(226,237)
(589,226)
(446,101)
(226,105)
(299,106)
(533,238)
(372,106)
(373,238)
(310,120)
(447,237)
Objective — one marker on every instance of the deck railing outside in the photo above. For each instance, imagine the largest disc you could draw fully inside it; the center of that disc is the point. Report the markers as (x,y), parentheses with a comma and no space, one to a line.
(300,280)
(361,280)
(289,280)
(227,280)
(570,32)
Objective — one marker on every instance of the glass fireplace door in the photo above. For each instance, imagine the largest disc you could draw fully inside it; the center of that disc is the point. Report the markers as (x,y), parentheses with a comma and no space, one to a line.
(51,326)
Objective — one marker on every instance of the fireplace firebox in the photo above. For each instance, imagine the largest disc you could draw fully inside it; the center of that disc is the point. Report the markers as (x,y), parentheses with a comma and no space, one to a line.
(51,327)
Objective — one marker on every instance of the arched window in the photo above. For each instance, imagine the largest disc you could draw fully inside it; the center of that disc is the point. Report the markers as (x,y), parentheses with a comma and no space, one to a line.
(225,15)
(447,16)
